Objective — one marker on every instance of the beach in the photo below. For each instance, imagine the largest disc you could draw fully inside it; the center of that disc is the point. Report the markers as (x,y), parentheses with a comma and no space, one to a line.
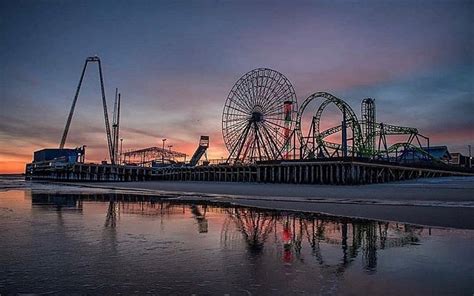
(442,202)
(235,238)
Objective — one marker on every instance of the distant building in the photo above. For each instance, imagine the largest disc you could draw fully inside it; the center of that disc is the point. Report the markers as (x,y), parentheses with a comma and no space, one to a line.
(461,160)
(55,154)
(415,155)
(440,153)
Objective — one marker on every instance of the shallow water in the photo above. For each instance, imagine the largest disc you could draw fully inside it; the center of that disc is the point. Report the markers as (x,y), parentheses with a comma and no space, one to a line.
(108,243)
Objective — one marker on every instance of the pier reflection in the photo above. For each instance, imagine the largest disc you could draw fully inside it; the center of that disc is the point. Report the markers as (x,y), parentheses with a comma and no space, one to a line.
(112,212)
(255,226)
(333,243)
(354,236)
(56,201)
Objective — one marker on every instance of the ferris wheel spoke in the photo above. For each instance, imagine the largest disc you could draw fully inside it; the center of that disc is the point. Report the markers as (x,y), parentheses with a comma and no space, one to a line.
(235,115)
(280,98)
(264,145)
(246,90)
(258,90)
(277,119)
(242,140)
(274,138)
(273,92)
(279,85)
(279,114)
(275,124)
(263,89)
(273,78)
(238,100)
(267,144)
(235,126)
(241,99)
(276,108)
(272,144)
(265,97)
(236,119)
(250,149)
(278,136)
(248,97)
(236,144)
(242,94)
(276,112)
(258,143)
(233,121)
(235,129)
(269,96)
(236,109)
(254,87)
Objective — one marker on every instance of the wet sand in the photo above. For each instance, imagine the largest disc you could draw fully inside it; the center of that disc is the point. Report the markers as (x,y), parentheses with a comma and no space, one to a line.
(444,202)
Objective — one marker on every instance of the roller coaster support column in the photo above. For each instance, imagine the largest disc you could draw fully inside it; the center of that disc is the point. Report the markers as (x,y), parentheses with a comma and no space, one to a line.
(344,133)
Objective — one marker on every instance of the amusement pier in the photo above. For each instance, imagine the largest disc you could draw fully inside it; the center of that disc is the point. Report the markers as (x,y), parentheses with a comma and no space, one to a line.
(270,138)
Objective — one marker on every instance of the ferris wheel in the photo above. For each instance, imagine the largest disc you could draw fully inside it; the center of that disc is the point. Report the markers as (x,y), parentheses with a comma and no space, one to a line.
(258,117)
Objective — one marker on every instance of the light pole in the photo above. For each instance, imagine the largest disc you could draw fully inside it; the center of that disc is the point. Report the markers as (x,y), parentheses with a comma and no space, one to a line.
(470,156)
(163,152)
(83,156)
(120,155)
(169,149)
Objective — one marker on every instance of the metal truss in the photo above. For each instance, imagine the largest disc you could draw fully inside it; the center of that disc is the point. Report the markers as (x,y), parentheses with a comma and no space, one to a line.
(94,59)
(146,156)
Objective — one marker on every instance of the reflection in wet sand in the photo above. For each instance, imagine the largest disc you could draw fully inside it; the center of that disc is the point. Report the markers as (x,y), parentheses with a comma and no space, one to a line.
(112,212)
(354,237)
(154,245)
(200,217)
(255,226)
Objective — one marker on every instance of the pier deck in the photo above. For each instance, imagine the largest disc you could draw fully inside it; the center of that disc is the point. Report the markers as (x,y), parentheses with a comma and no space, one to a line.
(328,172)
(344,172)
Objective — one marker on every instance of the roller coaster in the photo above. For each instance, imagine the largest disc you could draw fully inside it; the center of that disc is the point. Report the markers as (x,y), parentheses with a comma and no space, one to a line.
(261,121)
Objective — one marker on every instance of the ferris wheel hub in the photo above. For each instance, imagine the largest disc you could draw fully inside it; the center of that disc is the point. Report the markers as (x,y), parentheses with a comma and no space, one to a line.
(256,116)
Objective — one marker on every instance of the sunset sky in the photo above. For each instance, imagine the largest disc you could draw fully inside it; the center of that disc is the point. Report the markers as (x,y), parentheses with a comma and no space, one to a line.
(175,62)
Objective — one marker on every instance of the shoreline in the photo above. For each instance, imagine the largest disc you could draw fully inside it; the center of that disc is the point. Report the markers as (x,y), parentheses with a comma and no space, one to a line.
(447,202)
